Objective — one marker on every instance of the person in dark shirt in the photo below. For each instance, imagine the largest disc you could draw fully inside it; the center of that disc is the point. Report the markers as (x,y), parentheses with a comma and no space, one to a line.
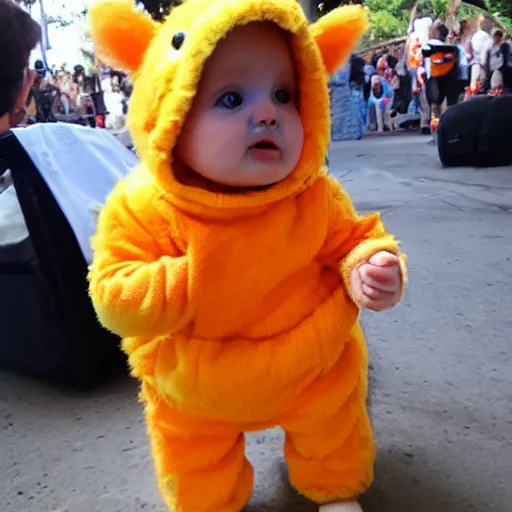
(441,61)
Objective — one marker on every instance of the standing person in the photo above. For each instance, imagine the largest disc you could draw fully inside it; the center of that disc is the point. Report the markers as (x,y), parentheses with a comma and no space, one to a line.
(346,94)
(451,21)
(481,43)
(442,71)
(19,35)
(464,36)
(421,22)
(418,35)
(231,263)
(500,63)
(466,29)
(357,84)
(416,72)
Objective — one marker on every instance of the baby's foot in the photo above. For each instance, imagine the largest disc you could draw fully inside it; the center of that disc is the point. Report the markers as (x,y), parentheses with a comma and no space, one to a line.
(341,506)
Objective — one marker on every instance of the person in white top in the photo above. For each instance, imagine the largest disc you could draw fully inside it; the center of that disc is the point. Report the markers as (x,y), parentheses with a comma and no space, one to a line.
(422,27)
(418,34)
(421,22)
(481,43)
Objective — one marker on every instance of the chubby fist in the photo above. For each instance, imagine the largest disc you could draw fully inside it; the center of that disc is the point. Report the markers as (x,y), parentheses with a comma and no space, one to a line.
(377,284)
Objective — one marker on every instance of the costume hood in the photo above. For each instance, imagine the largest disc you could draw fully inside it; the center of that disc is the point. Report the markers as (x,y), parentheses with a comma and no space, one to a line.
(166,61)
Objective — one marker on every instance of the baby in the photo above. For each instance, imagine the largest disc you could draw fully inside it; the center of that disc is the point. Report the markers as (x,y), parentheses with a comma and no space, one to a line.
(231,264)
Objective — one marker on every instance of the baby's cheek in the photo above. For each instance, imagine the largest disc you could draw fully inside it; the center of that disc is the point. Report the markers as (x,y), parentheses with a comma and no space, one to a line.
(295,134)
(218,140)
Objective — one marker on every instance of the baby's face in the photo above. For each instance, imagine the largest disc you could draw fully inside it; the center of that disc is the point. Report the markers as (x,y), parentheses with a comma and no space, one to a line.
(244,128)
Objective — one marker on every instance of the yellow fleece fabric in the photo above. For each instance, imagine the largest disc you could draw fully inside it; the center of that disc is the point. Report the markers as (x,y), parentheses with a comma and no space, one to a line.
(234,308)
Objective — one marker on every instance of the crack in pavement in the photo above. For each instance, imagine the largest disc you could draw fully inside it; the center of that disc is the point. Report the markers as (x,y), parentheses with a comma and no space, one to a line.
(483,186)
(503,208)
(414,202)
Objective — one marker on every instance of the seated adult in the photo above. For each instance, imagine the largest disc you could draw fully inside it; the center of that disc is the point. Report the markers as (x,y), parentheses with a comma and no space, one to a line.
(379,104)
(53,179)
(79,165)
(19,34)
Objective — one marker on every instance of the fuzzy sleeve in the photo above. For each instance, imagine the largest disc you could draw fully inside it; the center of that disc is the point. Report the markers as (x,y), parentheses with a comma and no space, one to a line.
(138,279)
(352,239)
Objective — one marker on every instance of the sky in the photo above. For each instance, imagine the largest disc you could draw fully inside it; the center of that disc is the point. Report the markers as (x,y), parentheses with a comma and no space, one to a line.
(65,41)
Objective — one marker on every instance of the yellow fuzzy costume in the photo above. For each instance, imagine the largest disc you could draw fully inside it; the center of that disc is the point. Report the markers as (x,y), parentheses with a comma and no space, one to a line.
(235,308)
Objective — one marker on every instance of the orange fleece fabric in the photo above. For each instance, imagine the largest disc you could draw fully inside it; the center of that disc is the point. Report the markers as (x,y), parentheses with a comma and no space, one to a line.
(234,308)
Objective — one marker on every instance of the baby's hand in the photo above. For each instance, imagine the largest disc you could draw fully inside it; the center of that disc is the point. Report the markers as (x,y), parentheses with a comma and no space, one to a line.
(377,284)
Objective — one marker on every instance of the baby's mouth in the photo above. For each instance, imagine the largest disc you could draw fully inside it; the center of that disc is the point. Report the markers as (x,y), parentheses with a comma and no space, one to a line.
(265,145)
(265,151)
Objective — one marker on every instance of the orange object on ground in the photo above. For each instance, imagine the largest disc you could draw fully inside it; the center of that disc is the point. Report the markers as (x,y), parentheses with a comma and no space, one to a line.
(234,308)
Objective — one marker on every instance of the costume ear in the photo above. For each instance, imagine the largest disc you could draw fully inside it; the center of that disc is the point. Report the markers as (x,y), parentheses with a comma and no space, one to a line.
(121,33)
(338,33)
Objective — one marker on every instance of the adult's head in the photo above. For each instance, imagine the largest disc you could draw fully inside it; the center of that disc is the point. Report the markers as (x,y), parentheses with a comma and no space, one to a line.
(497,36)
(484,23)
(19,34)
(39,68)
(392,61)
(463,28)
(424,10)
(440,31)
(443,32)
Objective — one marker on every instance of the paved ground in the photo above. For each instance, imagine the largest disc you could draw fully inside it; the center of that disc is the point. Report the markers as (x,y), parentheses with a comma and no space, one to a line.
(442,402)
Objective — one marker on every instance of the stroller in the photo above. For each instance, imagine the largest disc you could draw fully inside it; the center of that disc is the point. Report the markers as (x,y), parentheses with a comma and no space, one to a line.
(49,327)
(476,133)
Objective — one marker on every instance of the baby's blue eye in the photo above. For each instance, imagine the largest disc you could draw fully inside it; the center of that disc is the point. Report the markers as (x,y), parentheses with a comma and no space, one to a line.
(283,96)
(230,100)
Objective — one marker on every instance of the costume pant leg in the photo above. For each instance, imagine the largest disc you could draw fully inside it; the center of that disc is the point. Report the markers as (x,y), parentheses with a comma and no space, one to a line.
(330,452)
(452,87)
(200,467)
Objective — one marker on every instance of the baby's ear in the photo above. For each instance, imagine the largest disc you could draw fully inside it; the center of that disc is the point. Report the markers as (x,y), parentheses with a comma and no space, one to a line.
(338,33)
(121,33)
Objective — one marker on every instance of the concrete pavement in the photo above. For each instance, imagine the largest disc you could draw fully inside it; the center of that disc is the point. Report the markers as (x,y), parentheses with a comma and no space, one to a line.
(442,391)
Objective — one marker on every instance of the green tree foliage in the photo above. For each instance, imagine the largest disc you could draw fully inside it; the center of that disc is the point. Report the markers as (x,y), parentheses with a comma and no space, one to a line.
(388,18)
(502,9)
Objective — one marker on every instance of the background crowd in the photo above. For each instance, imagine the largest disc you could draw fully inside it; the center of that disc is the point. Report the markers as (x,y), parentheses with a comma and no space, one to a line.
(440,62)
(97,98)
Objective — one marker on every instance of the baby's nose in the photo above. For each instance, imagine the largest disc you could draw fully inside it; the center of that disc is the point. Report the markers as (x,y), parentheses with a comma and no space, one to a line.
(265,113)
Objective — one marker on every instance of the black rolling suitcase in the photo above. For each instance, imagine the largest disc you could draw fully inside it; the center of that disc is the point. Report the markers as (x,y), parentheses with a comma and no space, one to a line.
(477,133)
(48,329)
